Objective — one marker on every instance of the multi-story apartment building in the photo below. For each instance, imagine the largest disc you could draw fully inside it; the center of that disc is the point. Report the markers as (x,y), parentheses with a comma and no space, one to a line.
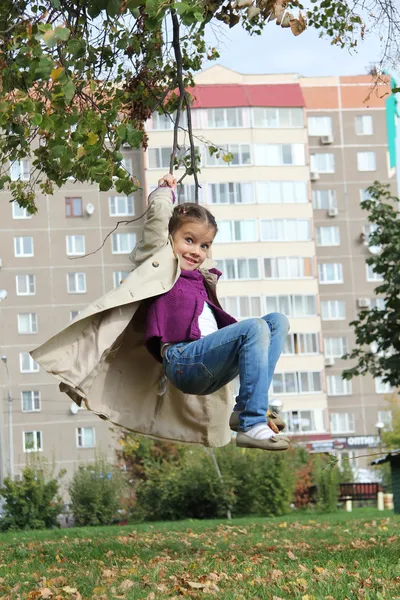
(351,128)
(48,279)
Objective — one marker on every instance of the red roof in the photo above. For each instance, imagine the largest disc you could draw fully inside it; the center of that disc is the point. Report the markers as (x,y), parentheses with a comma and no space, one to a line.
(231,95)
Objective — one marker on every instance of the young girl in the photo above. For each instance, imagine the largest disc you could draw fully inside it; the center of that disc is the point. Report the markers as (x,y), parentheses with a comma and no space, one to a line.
(202,347)
(165,319)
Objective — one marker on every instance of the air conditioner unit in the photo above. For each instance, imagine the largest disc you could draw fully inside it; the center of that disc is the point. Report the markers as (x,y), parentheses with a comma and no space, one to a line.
(326,140)
(314,176)
(364,302)
(333,211)
(89,209)
(329,361)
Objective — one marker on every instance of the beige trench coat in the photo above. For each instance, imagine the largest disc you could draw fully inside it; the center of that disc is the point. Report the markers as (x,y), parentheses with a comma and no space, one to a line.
(100,357)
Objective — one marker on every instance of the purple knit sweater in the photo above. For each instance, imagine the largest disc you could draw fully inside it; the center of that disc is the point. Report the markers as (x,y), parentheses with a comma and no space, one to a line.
(174,316)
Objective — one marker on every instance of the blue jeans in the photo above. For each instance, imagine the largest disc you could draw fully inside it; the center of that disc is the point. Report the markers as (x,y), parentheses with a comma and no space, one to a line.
(250,349)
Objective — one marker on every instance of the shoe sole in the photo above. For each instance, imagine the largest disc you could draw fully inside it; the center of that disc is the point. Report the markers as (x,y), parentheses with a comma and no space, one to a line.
(245,441)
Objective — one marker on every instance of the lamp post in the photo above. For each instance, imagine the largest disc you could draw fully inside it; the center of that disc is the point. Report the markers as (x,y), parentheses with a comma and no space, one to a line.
(10,425)
(3,296)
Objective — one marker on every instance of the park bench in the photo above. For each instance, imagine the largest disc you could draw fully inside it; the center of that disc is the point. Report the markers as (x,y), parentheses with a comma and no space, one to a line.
(360,493)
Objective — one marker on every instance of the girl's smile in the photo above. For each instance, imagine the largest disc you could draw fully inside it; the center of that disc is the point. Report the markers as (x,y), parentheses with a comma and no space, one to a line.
(192,242)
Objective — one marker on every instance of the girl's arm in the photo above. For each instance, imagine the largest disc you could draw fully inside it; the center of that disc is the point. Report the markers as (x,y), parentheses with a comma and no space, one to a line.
(155,231)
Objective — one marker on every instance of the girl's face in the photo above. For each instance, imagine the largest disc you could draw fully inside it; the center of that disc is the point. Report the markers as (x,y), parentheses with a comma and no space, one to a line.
(191,243)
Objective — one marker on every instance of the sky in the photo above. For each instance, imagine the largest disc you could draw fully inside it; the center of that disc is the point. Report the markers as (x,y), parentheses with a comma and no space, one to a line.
(277,50)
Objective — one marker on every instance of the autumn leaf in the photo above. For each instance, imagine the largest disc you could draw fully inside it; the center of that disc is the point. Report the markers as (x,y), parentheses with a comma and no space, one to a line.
(298,25)
(56,73)
(69,590)
(126,585)
(291,555)
(46,593)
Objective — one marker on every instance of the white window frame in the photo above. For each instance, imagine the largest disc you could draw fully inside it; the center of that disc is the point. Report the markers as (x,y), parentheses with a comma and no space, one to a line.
(382,388)
(240,151)
(330,342)
(237,265)
(319,125)
(162,156)
(334,390)
(19,246)
(322,162)
(299,417)
(282,230)
(327,235)
(288,304)
(360,122)
(289,267)
(297,377)
(319,202)
(32,322)
(366,161)
(335,419)
(33,366)
(265,117)
(80,435)
(187,193)
(295,340)
(71,243)
(126,164)
(35,401)
(364,195)
(371,275)
(121,206)
(281,192)
(337,272)
(29,284)
(23,214)
(386,417)
(236,311)
(226,193)
(20,170)
(162,122)
(279,155)
(37,441)
(118,276)
(117,245)
(333,309)
(213,123)
(77,277)
(235,227)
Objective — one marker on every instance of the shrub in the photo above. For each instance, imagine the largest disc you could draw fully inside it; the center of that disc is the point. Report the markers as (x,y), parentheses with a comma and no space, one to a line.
(33,502)
(328,478)
(96,492)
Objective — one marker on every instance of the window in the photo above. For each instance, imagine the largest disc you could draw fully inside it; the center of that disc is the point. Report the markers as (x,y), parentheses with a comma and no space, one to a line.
(73,314)
(324,199)
(187,193)
(27,323)
(289,267)
(118,276)
(372,275)
(276,155)
(328,236)
(322,163)
(330,273)
(20,169)
(18,212)
(224,117)
(366,161)
(382,388)
(378,303)
(159,158)
(333,310)
(296,383)
(364,125)
(236,231)
(319,125)
(335,347)
(282,192)
(76,283)
(386,417)
(239,268)
(120,206)
(278,117)
(292,306)
(241,156)
(25,285)
(299,421)
(75,245)
(23,246)
(73,207)
(230,193)
(123,243)
(30,401)
(342,422)
(32,441)
(162,121)
(242,306)
(285,230)
(301,343)
(365,195)
(85,437)
(27,364)
(126,163)
(338,386)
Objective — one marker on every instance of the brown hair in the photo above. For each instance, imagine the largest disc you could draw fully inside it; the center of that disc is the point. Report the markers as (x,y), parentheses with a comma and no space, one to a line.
(189,211)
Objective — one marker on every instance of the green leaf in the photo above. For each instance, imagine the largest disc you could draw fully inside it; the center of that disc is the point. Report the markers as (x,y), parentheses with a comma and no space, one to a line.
(37,119)
(49,38)
(69,90)
(57,151)
(62,33)
(113,7)
(135,138)
(105,184)
(122,132)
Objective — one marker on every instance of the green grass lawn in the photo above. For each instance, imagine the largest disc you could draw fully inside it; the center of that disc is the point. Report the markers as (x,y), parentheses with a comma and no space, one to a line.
(311,557)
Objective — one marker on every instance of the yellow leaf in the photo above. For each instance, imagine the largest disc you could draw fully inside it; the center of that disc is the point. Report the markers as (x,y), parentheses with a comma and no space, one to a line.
(48,36)
(69,590)
(126,585)
(319,569)
(92,138)
(284,524)
(80,154)
(56,73)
